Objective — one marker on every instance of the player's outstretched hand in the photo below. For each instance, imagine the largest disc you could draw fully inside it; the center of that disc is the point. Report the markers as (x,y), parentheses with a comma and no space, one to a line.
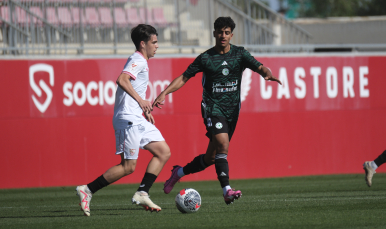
(145,105)
(149,117)
(272,78)
(159,101)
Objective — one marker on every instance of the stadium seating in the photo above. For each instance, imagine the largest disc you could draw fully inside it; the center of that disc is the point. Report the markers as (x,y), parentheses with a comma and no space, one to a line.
(35,1)
(64,16)
(149,16)
(4,13)
(92,1)
(51,16)
(120,17)
(92,17)
(75,15)
(38,12)
(106,18)
(133,17)
(159,17)
(21,16)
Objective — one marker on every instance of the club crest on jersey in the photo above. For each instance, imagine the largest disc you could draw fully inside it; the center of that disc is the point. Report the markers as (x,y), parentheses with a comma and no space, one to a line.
(132,152)
(225,71)
(219,125)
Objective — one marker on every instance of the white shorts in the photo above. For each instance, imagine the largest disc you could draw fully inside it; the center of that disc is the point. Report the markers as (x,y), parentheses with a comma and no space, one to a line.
(128,141)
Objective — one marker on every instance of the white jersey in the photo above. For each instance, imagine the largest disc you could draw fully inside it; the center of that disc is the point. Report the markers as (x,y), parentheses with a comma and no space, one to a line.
(126,109)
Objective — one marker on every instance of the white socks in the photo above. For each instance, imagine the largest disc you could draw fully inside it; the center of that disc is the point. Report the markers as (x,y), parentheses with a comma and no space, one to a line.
(373,165)
(225,189)
(180,172)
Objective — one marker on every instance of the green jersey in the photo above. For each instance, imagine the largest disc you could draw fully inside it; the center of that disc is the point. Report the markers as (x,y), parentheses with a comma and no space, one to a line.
(221,80)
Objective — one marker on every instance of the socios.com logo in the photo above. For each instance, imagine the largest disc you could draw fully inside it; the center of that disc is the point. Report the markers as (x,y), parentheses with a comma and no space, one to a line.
(80,93)
(42,107)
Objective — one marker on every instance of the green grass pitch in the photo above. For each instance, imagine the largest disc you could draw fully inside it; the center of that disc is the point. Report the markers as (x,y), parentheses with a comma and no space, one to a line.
(337,201)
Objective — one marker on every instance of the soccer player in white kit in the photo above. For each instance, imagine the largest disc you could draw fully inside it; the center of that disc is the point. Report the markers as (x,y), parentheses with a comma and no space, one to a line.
(132,130)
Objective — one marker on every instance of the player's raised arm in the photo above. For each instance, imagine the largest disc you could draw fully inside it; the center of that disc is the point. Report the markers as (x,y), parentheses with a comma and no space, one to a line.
(124,82)
(176,84)
(267,74)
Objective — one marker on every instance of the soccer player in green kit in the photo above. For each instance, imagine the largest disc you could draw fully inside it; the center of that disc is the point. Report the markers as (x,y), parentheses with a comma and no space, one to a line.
(222,68)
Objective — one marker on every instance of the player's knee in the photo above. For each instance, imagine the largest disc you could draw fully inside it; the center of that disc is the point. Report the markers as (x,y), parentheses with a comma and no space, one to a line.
(222,148)
(165,155)
(129,170)
(209,160)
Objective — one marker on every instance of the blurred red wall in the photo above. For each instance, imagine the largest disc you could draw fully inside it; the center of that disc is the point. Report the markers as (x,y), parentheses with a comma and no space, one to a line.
(56,119)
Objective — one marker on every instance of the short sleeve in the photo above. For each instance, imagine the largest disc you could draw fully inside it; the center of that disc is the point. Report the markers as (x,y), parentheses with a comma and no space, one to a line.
(194,68)
(133,67)
(249,61)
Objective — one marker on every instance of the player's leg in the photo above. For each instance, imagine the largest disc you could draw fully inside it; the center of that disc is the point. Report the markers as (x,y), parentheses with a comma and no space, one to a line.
(371,166)
(221,142)
(126,167)
(222,168)
(127,145)
(203,161)
(161,154)
(198,164)
(113,174)
(153,142)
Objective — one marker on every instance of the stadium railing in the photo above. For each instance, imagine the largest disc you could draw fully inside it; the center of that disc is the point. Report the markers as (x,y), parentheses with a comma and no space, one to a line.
(72,27)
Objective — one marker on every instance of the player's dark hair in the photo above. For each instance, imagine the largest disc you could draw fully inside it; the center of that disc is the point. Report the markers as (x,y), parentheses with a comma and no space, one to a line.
(142,32)
(224,22)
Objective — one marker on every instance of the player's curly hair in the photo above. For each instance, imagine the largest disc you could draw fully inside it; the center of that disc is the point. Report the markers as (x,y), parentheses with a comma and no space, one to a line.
(224,22)
(142,32)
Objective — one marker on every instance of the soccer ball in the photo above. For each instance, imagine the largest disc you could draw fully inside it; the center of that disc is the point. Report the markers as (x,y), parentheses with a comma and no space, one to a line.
(188,200)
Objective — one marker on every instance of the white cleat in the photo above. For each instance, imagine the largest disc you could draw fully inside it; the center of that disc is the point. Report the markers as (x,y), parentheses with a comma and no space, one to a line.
(85,198)
(369,172)
(142,198)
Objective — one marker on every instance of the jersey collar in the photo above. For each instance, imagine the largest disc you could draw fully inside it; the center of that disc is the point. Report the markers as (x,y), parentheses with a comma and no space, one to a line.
(140,54)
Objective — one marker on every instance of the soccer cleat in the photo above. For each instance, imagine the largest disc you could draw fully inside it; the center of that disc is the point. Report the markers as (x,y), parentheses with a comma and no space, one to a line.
(85,198)
(169,184)
(369,172)
(142,198)
(231,195)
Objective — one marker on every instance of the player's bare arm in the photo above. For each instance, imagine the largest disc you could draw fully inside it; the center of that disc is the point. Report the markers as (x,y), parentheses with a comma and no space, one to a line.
(124,82)
(267,74)
(176,84)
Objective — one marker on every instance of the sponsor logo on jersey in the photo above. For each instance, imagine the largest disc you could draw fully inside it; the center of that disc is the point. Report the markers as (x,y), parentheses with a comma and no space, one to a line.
(219,125)
(225,71)
(225,87)
(224,63)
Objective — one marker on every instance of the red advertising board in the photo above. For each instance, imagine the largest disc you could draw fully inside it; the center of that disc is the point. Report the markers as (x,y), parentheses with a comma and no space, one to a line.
(328,117)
